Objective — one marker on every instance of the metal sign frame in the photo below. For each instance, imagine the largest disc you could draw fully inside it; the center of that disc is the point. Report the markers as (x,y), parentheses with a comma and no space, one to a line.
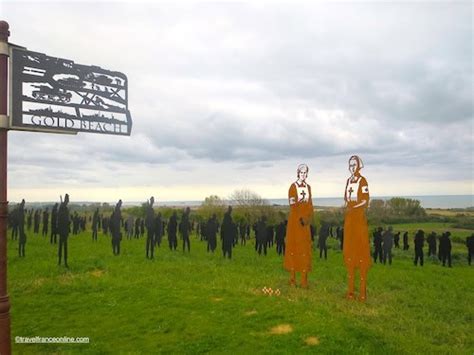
(57,95)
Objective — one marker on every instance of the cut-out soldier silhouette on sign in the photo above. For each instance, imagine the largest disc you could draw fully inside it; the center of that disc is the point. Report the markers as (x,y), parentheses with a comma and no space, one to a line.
(298,251)
(356,249)
(63,229)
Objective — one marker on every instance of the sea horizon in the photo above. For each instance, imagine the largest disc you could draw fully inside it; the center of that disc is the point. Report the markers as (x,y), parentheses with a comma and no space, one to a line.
(427,201)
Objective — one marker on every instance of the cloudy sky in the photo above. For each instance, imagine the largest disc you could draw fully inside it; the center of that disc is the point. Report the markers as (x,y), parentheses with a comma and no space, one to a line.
(235,95)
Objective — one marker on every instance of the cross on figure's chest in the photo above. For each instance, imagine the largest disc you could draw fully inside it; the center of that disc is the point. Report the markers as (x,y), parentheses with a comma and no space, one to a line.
(303,194)
(351,190)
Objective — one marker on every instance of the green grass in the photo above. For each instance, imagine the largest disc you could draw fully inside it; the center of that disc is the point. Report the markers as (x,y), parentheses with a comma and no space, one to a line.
(200,303)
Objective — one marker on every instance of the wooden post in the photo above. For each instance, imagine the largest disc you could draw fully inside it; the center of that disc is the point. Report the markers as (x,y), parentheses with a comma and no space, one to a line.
(5,341)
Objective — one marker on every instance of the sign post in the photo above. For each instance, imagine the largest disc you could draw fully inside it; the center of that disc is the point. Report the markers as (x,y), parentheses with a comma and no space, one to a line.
(55,95)
(5,342)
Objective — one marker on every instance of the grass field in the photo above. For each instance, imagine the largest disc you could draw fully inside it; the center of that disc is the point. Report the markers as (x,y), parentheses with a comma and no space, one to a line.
(199,302)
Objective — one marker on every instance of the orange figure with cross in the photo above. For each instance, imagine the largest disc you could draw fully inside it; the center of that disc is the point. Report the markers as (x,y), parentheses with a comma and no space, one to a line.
(356,248)
(298,251)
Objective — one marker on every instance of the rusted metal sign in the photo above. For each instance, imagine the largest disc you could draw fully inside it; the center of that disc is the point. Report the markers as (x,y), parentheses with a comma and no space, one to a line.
(57,95)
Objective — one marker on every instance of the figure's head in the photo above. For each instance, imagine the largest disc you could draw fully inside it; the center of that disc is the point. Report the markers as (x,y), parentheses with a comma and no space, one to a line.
(355,164)
(302,172)
(22,202)
(229,209)
(119,203)
(152,200)
(66,199)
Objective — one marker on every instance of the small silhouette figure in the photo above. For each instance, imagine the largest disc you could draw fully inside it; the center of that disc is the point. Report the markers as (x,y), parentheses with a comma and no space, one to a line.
(21,228)
(185,228)
(172,230)
(445,248)
(419,244)
(44,231)
(212,227)
(406,246)
(470,248)
(387,246)
(63,229)
(54,224)
(432,244)
(150,228)
(95,224)
(228,232)
(115,224)
(323,236)
(378,244)
(261,231)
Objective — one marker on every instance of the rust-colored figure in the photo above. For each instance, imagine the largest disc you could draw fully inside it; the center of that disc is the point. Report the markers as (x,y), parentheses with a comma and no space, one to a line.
(356,248)
(298,236)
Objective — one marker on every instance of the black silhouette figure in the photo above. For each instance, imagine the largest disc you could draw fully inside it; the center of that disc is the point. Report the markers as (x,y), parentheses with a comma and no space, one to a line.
(44,231)
(280,237)
(95,224)
(158,229)
(431,244)
(115,224)
(445,248)
(378,244)
(63,229)
(211,232)
(21,228)
(13,222)
(396,240)
(323,237)
(137,228)
(406,246)
(470,248)
(387,245)
(185,228)
(172,230)
(150,228)
(261,236)
(419,244)
(36,221)
(228,232)
(54,224)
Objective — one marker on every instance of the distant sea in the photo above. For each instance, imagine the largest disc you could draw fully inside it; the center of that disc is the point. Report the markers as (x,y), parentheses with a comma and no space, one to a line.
(447,201)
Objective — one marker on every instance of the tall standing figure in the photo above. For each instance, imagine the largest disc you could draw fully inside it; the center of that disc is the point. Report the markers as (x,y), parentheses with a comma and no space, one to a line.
(63,229)
(150,228)
(21,228)
(356,249)
(115,224)
(298,251)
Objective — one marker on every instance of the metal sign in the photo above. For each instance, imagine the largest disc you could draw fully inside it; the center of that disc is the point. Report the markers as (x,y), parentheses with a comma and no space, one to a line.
(57,95)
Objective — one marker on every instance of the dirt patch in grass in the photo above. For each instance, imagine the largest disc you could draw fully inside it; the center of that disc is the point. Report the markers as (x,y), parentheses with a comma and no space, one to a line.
(281,329)
(217,299)
(312,341)
(251,313)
